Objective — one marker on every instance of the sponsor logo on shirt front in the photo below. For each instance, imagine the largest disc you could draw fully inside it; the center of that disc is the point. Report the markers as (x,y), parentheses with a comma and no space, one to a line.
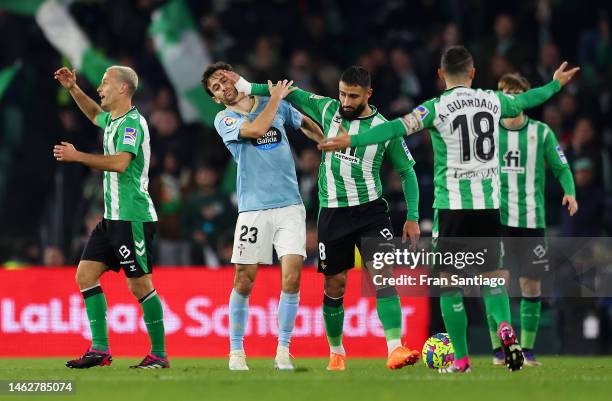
(348,155)
(461,174)
(270,140)
(512,162)
(129,136)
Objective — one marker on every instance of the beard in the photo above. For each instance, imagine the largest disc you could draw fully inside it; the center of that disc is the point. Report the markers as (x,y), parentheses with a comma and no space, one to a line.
(352,114)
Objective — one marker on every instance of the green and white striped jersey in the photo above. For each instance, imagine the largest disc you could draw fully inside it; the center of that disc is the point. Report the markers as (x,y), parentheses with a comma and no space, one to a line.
(523,154)
(126,195)
(463,124)
(349,177)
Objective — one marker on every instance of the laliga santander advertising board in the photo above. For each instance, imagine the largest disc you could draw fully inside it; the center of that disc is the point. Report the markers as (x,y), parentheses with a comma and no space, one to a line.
(42,314)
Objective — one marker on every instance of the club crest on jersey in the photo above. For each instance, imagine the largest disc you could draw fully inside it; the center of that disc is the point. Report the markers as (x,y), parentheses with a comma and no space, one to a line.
(229,121)
(561,154)
(512,162)
(129,136)
(422,112)
(270,140)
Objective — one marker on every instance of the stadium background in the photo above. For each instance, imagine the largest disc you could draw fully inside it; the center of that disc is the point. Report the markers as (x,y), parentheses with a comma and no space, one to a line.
(47,208)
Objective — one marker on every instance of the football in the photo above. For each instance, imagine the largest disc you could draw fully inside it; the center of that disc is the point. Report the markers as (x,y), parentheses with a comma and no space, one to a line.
(438,351)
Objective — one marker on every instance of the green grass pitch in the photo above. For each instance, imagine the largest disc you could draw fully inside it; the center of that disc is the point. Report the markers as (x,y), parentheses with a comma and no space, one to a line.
(560,378)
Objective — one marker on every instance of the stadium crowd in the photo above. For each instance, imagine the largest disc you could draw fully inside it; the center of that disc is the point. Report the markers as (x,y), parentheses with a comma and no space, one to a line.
(48,209)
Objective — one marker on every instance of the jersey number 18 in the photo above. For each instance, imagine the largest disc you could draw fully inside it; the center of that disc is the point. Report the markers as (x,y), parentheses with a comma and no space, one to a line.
(483,134)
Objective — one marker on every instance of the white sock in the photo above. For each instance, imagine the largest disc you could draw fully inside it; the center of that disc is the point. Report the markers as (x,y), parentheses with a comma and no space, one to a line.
(337,349)
(393,344)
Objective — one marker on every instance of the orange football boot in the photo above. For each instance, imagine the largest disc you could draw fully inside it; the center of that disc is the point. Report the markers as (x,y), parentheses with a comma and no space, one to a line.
(402,356)
(336,362)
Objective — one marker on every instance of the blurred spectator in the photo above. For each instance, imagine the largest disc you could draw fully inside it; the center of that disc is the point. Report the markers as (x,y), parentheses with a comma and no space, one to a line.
(166,191)
(409,85)
(308,176)
(394,194)
(504,44)
(587,221)
(585,145)
(310,42)
(207,213)
(265,60)
(92,219)
(548,61)
(53,257)
(312,245)
(300,70)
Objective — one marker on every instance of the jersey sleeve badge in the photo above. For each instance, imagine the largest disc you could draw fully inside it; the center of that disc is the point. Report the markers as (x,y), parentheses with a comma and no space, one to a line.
(129,136)
(421,112)
(229,121)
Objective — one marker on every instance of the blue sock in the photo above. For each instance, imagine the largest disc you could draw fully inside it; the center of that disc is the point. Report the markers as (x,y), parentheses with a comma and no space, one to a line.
(238,317)
(287,311)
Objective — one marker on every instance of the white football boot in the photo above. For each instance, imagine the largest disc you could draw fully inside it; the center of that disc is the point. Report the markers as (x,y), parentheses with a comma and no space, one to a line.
(282,361)
(237,360)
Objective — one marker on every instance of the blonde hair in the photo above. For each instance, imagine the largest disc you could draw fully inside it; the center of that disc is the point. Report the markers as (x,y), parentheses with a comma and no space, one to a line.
(127,75)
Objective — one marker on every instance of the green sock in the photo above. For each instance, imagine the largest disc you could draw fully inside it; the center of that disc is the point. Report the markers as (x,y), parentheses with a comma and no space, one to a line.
(455,320)
(530,320)
(497,304)
(95,304)
(495,342)
(154,319)
(390,315)
(333,316)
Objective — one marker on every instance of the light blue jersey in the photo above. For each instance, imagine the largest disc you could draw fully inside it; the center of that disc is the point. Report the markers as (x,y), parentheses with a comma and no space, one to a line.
(266,170)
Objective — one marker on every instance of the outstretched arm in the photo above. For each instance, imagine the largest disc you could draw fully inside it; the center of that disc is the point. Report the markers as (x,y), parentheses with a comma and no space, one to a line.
(67,78)
(258,127)
(513,105)
(307,102)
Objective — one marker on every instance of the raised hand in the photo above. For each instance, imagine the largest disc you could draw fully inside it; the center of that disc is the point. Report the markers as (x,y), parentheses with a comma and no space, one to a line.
(564,76)
(281,89)
(66,77)
(339,142)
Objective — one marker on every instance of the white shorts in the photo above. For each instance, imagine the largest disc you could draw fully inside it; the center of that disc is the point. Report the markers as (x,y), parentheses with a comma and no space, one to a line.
(258,230)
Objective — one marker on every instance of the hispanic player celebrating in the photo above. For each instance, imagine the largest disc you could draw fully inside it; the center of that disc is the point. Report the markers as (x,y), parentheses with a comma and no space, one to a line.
(526,147)
(352,207)
(270,208)
(463,123)
(124,237)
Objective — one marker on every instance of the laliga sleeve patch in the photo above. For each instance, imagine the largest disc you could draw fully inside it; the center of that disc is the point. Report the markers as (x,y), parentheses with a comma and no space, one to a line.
(421,112)
(129,136)
(229,121)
